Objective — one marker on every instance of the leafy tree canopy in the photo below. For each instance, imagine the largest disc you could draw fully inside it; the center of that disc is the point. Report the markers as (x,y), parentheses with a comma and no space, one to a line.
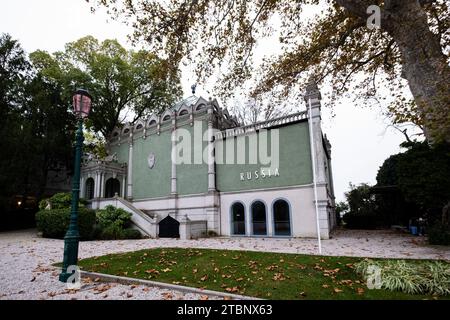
(120,81)
(410,47)
(421,173)
(35,124)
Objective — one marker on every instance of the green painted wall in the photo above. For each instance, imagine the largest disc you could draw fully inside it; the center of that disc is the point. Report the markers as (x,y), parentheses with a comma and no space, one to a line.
(294,166)
(193,178)
(294,162)
(121,151)
(155,182)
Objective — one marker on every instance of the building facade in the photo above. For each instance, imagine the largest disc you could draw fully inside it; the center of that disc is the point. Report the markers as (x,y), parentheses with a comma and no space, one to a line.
(194,171)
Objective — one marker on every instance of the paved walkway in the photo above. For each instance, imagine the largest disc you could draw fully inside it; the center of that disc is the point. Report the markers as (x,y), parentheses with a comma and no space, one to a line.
(26,271)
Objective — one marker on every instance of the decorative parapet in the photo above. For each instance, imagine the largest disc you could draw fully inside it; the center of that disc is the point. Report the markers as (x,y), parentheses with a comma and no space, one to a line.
(185,111)
(261,125)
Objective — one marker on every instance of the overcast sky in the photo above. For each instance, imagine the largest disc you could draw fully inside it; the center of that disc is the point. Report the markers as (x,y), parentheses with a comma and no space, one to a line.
(360,137)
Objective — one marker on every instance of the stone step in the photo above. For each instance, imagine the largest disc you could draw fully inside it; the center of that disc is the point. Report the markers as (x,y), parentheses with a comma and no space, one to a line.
(150,213)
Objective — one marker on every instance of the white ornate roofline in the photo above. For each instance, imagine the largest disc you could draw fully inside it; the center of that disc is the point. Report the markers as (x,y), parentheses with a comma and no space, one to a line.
(261,125)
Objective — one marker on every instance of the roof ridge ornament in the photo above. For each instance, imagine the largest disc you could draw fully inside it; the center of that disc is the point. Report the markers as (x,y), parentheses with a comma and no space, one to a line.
(193,87)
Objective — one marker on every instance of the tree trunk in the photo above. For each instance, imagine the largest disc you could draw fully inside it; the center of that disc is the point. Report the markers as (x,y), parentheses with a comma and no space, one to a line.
(424,65)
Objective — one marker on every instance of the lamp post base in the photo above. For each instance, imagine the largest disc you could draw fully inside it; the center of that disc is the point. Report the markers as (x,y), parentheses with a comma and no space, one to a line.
(71,241)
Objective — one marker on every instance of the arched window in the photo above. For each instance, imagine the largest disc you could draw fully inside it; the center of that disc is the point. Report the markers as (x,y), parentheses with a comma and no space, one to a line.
(281,218)
(112,187)
(183,112)
(200,107)
(89,190)
(152,123)
(259,220)
(139,126)
(237,219)
(166,118)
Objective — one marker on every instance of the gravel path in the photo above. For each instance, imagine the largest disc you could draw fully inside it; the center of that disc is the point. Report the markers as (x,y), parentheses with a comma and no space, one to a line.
(26,271)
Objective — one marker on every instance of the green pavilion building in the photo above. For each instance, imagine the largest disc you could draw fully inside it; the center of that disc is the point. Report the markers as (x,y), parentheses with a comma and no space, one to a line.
(193,171)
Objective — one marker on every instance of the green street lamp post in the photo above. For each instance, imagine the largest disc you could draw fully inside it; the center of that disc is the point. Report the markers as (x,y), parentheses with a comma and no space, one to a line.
(82,107)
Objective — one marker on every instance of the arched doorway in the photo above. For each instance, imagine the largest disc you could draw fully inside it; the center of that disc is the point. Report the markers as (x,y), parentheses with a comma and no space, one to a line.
(281,218)
(237,219)
(112,187)
(169,228)
(89,190)
(259,218)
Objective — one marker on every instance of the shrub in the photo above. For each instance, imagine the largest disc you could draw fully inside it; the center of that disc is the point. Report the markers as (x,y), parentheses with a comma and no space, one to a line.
(112,215)
(131,233)
(60,201)
(113,222)
(112,232)
(439,234)
(54,223)
(409,276)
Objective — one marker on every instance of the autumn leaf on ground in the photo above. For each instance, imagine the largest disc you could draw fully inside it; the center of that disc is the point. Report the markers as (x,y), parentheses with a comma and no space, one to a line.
(216,269)
(360,290)
(272,267)
(233,289)
(325,286)
(337,290)
(152,271)
(303,294)
(194,270)
(239,279)
(167,295)
(166,270)
(204,297)
(278,277)
(204,277)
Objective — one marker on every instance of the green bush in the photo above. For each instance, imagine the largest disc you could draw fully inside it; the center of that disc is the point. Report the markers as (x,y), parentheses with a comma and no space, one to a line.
(113,216)
(112,232)
(413,277)
(60,201)
(439,234)
(113,224)
(54,223)
(131,233)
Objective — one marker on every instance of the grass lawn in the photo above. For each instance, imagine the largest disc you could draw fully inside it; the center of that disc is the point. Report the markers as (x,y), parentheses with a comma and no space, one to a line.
(259,274)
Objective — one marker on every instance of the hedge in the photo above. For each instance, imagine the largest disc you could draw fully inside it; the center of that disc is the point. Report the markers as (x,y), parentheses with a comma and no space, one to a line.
(53,223)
